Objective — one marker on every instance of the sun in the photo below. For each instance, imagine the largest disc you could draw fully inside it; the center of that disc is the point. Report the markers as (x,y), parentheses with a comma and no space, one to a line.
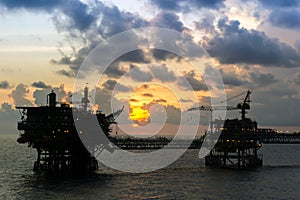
(147,95)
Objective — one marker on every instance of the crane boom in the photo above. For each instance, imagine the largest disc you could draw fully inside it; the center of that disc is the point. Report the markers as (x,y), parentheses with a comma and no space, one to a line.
(211,108)
(234,97)
(243,106)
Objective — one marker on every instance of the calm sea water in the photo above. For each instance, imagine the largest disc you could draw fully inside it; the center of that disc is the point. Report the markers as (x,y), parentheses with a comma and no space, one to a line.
(187,178)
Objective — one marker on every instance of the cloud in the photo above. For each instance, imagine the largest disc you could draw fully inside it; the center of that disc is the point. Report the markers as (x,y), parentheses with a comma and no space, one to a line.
(160,54)
(40,84)
(110,21)
(187,5)
(206,23)
(67,8)
(4,85)
(185,100)
(161,101)
(189,80)
(297,79)
(114,21)
(114,85)
(138,75)
(279,3)
(237,45)
(260,79)
(40,95)
(136,56)
(84,22)
(173,114)
(114,70)
(232,79)
(134,100)
(6,107)
(19,95)
(106,101)
(287,18)
(167,20)
(73,61)
(147,95)
(162,73)
(31,4)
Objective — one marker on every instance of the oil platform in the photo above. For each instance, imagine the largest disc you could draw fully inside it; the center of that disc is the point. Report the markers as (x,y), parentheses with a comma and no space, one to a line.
(239,139)
(51,131)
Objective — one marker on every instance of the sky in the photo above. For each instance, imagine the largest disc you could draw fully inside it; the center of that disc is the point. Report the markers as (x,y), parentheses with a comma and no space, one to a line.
(254,44)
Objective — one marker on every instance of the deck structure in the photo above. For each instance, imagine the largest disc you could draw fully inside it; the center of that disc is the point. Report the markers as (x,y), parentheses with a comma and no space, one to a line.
(51,131)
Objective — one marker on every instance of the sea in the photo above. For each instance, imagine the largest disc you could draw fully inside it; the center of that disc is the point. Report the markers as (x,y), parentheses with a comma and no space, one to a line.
(187,178)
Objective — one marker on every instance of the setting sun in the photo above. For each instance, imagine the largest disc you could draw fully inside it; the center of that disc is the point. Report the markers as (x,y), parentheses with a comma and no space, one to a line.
(146,96)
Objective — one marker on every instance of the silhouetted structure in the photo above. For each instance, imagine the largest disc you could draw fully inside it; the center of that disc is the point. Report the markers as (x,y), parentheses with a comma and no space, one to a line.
(239,139)
(51,131)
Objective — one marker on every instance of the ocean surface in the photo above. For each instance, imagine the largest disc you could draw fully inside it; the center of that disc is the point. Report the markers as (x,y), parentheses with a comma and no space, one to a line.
(187,178)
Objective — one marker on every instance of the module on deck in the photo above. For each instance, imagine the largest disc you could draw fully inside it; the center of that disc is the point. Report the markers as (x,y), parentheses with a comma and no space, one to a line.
(51,131)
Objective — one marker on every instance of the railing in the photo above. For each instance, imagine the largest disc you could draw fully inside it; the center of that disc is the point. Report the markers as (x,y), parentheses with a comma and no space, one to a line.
(281,139)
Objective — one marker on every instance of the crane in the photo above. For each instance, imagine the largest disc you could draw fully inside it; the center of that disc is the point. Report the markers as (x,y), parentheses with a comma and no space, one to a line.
(243,106)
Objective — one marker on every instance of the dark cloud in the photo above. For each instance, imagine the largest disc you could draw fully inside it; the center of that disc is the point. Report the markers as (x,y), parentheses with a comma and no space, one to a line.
(109,84)
(173,114)
(161,101)
(206,23)
(162,73)
(287,18)
(4,85)
(167,20)
(19,95)
(40,84)
(67,73)
(31,4)
(297,79)
(40,95)
(260,79)
(114,21)
(280,3)
(134,100)
(215,4)
(187,5)
(105,99)
(238,45)
(73,61)
(136,56)
(114,70)
(147,95)
(68,8)
(110,22)
(138,75)
(232,79)
(114,85)
(6,107)
(167,4)
(145,86)
(189,80)
(160,54)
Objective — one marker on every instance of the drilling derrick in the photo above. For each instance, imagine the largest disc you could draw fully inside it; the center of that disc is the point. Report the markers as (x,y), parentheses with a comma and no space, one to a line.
(51,131)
